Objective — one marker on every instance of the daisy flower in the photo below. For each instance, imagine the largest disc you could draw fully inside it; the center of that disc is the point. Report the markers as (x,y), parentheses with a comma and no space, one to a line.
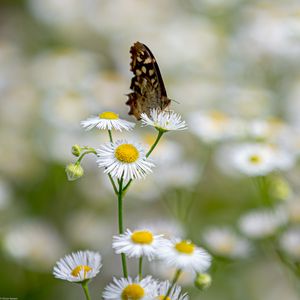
(253,159)
(290,242)
(185,256)
(78,266)
(226,243)
(107,120)
(163,120)
(262,223)
(129,289)
(138,243)
(124,159)
(175,293)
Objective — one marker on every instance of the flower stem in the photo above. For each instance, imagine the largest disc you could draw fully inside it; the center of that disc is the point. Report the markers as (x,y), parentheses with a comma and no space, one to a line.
(91,150)
(86,290)
(110,136)
(160,134)
(120,218)
(141,268)
(175,279)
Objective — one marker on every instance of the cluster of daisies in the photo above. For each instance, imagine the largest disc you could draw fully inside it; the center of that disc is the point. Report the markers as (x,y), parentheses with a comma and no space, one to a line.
(181,255)
(123,162)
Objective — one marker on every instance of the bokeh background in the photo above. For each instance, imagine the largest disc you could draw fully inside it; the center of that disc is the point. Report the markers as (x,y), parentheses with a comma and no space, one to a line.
(234,62)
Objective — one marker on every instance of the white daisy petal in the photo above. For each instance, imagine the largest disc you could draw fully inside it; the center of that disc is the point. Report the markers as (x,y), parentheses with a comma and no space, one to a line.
(138,243)
(184,255)
(124,159)
(163,120)
(128,288)
(175,293)
(107,121)
(78,266)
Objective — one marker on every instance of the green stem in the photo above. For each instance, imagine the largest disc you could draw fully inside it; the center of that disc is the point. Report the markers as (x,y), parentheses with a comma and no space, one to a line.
(84,153)
(110,136)
(175,279)
(86,290)
(160,134)
(120,218)
(113,184)
(141,268)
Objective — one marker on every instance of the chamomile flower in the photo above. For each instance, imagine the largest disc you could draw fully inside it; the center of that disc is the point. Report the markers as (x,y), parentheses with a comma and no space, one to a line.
(129,289)
(184,255)
(290,242)
(107,120)
(163,120)
(138,243)
(175,293)
(124,159)
(78,266)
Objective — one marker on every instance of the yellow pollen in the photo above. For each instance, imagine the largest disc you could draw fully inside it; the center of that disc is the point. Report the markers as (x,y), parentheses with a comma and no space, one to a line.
(76,271)
(142,237)
(127,153)
(218,116)
(133,292)
(162,297)
(255,159)
(109,115)
(185,247)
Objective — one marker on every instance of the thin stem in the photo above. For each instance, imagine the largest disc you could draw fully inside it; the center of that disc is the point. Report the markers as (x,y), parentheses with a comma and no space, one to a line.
(113,184)
(141,268)
(110,136)
(160,134)
(86,290)
(84,153)
(120,218)
(175,279)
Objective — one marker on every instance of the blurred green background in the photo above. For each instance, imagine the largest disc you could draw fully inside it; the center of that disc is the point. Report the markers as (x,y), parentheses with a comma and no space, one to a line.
(64,60)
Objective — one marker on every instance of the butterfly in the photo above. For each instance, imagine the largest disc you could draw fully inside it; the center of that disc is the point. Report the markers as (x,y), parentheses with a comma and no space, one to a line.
(148,88)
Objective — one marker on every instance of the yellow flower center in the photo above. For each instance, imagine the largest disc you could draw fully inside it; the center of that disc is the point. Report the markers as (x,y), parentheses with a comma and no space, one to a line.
(185,247)
(255,159)
(162,297)
(109,115)
(142,237)
(127,153)
(133,292)
(218,116)
(76,271)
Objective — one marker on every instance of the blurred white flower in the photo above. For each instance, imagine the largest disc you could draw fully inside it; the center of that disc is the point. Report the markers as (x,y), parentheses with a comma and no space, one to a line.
(78,266)
(290,242)
(34,244)
(259,224)
(225,242)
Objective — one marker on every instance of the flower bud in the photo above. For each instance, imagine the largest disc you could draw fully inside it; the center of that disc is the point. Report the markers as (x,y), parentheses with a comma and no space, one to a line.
(76,150)
(202,281)
(74,171)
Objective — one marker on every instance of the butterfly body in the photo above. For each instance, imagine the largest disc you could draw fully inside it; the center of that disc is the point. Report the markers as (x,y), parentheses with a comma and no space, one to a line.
(147,84)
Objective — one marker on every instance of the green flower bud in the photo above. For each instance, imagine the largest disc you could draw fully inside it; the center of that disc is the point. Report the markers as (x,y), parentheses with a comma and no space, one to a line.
(76,150)
(74,171)
(202,281)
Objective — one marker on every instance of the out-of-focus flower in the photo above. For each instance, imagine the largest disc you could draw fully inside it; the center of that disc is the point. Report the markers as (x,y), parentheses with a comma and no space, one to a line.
(175,292)
(225,242)
(124,159)
(127,288)
(260,224)
(213,126)
(163,120)
(107,121)
(34,244)
(138,243)
(290,242)
(184,255)
(78,266)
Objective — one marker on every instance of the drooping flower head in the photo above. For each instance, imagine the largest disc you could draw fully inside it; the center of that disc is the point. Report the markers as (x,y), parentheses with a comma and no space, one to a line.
(78,266)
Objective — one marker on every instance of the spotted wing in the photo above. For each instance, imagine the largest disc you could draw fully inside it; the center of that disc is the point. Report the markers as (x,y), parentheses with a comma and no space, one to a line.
(147,85)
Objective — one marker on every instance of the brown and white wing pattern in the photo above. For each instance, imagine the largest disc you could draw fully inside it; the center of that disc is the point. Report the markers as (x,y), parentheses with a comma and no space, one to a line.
(147,85)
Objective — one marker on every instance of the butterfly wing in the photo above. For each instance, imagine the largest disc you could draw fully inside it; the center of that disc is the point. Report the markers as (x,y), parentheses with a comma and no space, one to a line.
(147,85)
